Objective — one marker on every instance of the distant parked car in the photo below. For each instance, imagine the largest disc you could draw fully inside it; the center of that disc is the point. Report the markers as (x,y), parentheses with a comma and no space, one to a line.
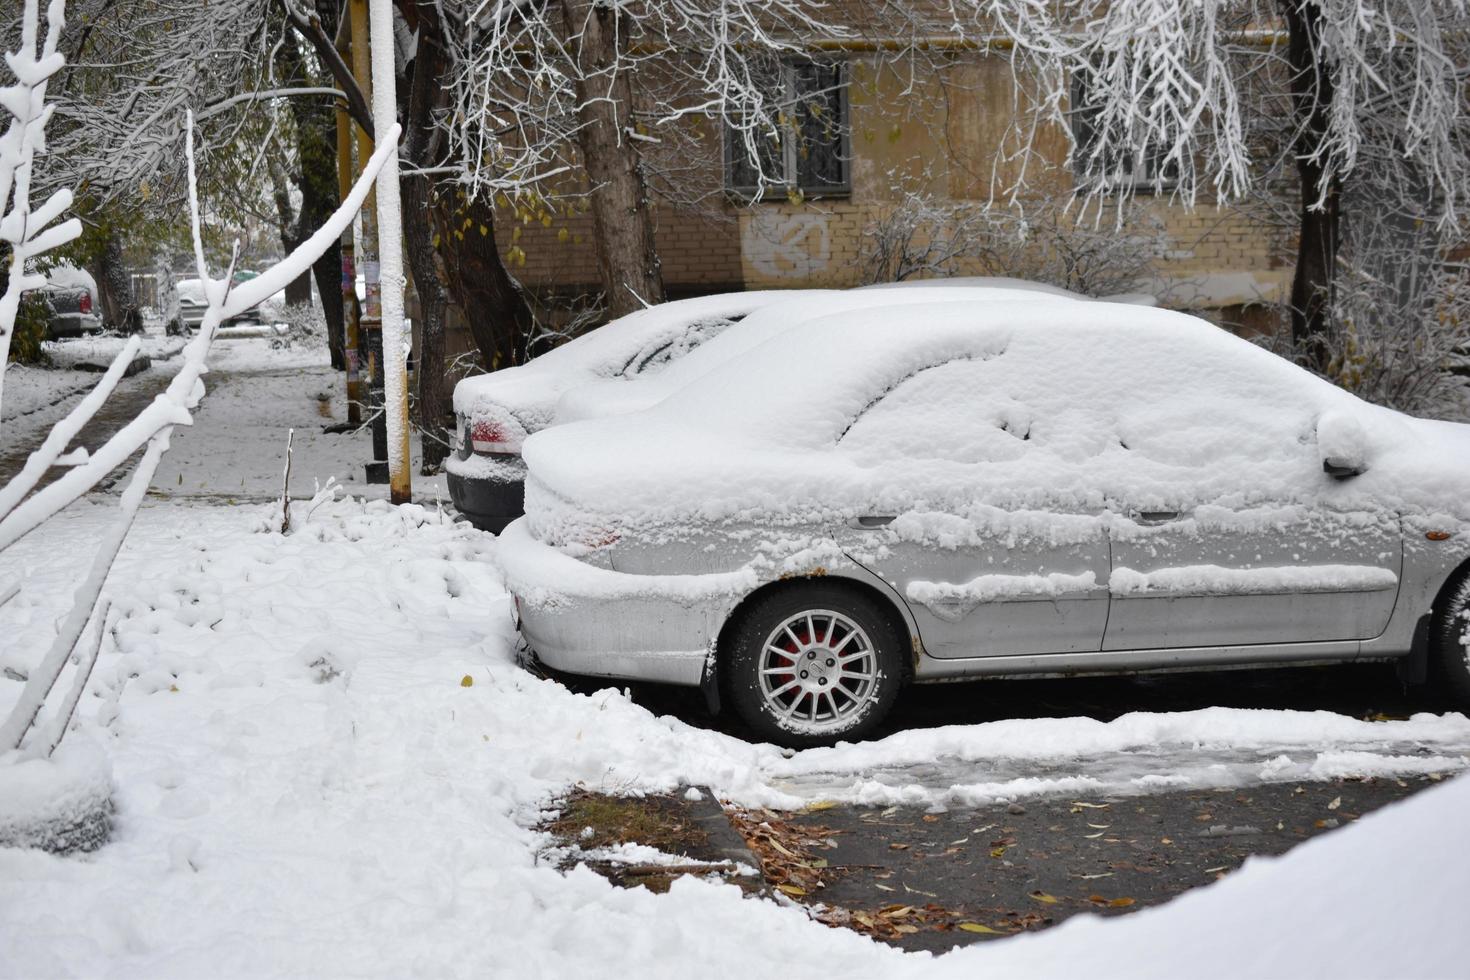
(193,306)
(68,310)
(1009,489)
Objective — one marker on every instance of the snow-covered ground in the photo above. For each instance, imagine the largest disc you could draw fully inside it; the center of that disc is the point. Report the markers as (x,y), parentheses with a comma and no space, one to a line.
(306,786)
(326,764)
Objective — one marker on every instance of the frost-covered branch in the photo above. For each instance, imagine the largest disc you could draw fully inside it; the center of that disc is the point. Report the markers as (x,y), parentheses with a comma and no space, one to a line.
(32,64)
(1156,87)
(517,89)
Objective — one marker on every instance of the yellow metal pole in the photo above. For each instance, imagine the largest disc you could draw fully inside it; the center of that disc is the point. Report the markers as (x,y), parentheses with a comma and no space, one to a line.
(371,320)
(346,174)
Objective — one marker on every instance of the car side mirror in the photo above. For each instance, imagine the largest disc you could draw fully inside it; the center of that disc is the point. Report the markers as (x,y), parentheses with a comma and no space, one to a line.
(1343,445)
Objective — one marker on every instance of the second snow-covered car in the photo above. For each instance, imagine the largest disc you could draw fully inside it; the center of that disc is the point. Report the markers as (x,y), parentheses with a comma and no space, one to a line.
(496,412)
(947,490)
(637,360)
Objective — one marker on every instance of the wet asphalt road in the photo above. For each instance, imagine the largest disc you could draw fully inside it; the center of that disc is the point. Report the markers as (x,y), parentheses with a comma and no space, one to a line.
(1021,868)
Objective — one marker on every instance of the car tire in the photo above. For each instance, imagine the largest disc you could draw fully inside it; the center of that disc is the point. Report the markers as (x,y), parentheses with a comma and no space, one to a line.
(1449,642)
(845,659)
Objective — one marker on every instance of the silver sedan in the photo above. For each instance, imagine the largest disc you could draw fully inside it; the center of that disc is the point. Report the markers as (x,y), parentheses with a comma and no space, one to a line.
(990,490)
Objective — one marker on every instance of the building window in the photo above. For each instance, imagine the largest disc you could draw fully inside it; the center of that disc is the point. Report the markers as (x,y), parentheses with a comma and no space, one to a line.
(806,153)
(1135,165)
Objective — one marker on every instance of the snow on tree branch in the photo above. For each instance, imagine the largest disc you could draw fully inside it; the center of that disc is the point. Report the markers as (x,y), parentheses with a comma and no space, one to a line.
(1164,81)
(25,230)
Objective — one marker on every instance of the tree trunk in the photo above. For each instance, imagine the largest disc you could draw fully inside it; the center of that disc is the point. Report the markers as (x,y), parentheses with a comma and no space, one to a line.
(427,95)
(1321,223)
(115,287)
(316,154)
(496,310)
(621,217)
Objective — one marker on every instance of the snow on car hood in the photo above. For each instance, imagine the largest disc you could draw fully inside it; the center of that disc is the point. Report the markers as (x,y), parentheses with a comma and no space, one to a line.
(600,399)
(1074,407)
(530,390)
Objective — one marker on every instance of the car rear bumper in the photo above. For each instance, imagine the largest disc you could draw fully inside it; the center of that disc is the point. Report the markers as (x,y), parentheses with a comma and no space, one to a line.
(73,324)
(582,619)
(489,491)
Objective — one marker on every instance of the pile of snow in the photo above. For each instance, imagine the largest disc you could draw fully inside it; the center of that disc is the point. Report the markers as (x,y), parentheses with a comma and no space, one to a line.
(1056,406)
(326,763)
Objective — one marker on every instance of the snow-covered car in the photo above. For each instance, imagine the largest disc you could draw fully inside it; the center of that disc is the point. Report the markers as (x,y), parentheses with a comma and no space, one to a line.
(68,311)
(935,491)
(193,306)
(496,412)
(610,371)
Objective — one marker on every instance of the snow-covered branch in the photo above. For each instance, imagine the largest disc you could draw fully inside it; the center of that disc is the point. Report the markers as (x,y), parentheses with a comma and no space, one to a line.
(26,231)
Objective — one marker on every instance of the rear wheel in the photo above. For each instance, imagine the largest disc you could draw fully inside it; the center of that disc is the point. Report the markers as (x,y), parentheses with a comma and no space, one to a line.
(1449,642)
(814,664)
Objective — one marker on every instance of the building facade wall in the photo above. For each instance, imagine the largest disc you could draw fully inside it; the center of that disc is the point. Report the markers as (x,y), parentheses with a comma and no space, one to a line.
(946,133)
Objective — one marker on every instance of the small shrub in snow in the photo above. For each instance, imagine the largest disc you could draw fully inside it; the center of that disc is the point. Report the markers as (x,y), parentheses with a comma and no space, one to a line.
(62,804)
(307,325)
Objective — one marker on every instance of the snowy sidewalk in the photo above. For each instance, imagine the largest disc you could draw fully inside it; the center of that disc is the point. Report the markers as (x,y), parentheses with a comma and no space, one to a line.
(236,449)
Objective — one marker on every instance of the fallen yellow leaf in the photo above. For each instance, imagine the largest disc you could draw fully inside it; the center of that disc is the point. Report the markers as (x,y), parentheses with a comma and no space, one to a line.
(977,927)
(467,681)
(1044,898)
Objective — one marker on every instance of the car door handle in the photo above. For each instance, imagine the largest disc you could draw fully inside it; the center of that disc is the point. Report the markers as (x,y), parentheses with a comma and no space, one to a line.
(871,522)
(1155,517)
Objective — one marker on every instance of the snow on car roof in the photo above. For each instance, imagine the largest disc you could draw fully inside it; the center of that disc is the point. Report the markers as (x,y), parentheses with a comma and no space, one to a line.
(985,282)
(1074,406)
(530,390)
(1014,285)
(598,399)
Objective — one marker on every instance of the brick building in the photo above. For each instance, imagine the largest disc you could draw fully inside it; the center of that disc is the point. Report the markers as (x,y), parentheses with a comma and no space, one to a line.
(940,132)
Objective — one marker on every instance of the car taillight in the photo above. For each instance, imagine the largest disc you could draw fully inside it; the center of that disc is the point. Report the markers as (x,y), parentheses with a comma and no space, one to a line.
(86,303)
(492,437)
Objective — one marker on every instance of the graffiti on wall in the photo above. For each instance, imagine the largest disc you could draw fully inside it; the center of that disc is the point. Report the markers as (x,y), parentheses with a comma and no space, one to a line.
(787,246)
